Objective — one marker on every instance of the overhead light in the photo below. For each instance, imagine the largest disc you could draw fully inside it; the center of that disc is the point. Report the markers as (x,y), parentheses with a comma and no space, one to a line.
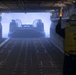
(67,2)
(3,7)
(74,1)
(51,11)
(60,4)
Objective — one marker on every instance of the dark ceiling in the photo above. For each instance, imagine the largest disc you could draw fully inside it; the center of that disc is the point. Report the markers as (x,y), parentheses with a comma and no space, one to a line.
(28,5)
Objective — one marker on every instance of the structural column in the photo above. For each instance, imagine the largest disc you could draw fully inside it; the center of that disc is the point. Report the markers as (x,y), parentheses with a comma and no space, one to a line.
(0,27)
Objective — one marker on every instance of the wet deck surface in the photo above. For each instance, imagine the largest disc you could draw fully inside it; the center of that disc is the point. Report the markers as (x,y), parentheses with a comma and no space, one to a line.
(30,57)
(2,39)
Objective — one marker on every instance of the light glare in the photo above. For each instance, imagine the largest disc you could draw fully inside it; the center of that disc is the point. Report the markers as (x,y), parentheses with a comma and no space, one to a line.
(27,18)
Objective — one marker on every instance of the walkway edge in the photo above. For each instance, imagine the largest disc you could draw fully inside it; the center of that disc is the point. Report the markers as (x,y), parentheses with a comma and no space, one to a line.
(4,42)
(61,49)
